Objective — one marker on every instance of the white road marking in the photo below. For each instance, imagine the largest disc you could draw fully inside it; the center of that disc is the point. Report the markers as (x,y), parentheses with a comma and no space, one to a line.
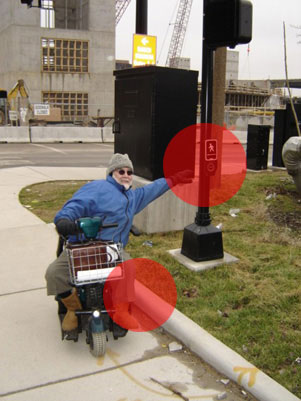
(14,162)
(49,147)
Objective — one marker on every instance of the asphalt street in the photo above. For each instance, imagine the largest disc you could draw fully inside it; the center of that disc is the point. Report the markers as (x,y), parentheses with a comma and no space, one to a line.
(55,154)
(64,154)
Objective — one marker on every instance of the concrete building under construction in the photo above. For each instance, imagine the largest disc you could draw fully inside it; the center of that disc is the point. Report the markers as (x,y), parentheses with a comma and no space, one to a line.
(64,52)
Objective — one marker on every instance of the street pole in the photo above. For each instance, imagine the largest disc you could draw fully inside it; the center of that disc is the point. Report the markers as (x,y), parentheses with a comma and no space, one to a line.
(201,240)
(203,215)
(141,17)
(219,82)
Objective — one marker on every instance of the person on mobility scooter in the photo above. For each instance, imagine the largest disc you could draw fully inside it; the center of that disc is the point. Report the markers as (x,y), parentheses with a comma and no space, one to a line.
(111,200)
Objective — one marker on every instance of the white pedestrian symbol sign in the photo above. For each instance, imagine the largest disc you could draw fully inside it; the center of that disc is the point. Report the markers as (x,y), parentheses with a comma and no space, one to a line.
(211,149)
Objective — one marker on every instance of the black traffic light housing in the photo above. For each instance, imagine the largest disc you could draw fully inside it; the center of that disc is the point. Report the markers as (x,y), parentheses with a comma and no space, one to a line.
(28,2)
(227,23)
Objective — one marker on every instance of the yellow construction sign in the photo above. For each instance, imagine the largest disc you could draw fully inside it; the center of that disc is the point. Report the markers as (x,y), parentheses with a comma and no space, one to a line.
(144,50)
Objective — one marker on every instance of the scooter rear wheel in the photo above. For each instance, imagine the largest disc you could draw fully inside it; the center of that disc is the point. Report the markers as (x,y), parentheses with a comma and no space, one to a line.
(98,344)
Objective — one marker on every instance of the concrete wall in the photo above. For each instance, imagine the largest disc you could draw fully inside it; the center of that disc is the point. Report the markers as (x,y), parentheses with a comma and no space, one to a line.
(14,134)
(55,134)
(239,121)
(20,54)
(167,213)
(77,134)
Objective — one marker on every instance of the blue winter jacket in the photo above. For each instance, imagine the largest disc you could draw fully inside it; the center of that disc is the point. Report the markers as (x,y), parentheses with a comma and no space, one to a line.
(112,203)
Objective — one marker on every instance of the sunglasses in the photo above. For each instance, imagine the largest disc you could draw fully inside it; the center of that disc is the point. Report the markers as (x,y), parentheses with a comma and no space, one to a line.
(122,172)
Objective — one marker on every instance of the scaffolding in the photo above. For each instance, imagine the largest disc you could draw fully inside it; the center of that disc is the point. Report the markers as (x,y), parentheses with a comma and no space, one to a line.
(251,100)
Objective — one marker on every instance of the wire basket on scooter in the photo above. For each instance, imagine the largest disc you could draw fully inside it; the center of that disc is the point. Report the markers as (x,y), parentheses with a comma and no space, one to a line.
(94,261)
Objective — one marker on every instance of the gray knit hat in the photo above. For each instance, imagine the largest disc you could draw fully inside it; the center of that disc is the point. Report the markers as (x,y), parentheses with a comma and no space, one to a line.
(118,161)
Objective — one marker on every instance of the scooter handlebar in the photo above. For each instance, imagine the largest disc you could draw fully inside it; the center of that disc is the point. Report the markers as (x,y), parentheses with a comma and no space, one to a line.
(111,225)
(90,226)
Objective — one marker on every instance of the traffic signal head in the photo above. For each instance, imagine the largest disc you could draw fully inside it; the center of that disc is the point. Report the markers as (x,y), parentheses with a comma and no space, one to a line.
(227,23)
(28,2)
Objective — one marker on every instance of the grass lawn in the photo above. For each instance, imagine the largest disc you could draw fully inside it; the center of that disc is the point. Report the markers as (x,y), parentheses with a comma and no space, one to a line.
(254,305)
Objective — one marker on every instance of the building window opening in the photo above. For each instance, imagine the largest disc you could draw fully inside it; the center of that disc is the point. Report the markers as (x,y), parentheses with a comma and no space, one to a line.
(73,105)
(71,14)
(47,16)
(63,55)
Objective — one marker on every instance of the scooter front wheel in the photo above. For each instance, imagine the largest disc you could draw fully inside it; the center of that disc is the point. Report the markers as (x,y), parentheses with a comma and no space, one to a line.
(98,343)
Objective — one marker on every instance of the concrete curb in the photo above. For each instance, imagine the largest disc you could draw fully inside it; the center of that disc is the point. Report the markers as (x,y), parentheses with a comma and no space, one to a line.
(211,350)
(225,360)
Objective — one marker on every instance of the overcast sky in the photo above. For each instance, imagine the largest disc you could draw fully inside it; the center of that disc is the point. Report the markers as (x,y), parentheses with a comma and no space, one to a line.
(266,56)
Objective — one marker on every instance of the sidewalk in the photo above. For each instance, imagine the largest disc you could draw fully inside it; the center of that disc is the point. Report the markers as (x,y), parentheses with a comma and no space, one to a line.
(37,365)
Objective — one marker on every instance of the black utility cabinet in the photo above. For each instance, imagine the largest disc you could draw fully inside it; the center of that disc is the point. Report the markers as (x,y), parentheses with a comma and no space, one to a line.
(258,147)
(285,127)
(152,104)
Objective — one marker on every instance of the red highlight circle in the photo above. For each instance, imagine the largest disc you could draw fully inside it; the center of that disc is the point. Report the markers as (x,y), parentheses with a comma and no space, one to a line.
(208,151)
(147,293)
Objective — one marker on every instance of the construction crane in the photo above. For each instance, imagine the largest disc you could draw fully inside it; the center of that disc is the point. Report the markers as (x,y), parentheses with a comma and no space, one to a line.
(120,7)
(179,31)
(178,35)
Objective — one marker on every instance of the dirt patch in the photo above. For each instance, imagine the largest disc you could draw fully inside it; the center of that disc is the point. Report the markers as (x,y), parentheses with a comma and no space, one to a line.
(285,218)
(291,220)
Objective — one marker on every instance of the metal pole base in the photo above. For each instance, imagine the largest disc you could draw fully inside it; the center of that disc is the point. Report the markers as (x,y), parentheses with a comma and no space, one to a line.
(201,243)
